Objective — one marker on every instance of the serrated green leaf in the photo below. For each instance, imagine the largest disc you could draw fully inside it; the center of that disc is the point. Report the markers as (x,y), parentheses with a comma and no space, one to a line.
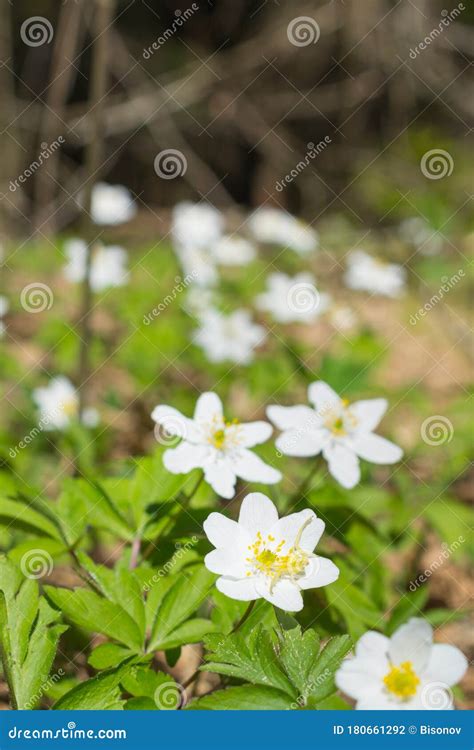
(243,698)
(100,693)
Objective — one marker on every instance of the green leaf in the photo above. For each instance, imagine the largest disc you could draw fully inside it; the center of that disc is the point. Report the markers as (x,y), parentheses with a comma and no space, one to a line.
(191,631)
(298,655)
(29,635)
(244,698)
(99,693)
(108,655)
(253,658)
(186,594)
(88,610)
(20,515)
(321,677)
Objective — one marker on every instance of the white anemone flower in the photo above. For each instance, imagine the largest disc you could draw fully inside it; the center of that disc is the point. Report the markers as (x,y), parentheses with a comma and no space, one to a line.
(277,227)
(199,264)
(343,432)
(217,446)
(111,204)
(231,338)
(293,299)
(58,405)
(368,274)
(108,265)
(232,250)
(262,556)
(406,671)
(196,224)
(417,232)
(4,307)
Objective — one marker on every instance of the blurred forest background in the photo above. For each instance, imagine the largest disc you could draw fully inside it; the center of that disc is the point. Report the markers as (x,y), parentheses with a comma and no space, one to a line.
(228,90)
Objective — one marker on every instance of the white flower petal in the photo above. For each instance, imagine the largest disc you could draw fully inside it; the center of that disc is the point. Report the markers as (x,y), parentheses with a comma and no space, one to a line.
(242,589)
(208,406)
(300,443)
(412,642)
(286,417)
(226,562)
(257,513)
(285,594)
(319,572)
(251,468)
(288,527)
(343,464)
(253,433)
(175,423)
(446,664)
(221,477)
(184,458)
(378,700)
(373,645)
(361,677)
(322,396)
(376,449)
(369,413)
(222,532)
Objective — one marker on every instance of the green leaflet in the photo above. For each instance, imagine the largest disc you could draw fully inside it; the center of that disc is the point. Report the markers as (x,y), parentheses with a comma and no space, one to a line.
(99,693)
(29,634)
(244,698)
(288,662)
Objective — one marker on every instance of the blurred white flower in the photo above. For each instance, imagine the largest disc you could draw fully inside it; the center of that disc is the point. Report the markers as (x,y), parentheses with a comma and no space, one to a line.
(111,204)
(277,227)
(262,556)
(108,265)
(343,432)
(229,337)
(196,224)
(216,445)
(233,251)
(372,275)
(416,231)
(198,263)
(406,671)
(4,307)
(342,317)
(58,405)
(292,299)
(198,300)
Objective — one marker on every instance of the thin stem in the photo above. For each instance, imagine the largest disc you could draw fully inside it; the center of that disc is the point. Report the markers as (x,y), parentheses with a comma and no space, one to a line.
(94,159)
(135,552)
(236,627)
(300,492)
(184,506)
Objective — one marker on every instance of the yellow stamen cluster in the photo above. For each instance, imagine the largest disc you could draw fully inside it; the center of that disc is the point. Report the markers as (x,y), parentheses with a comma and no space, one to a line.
(402,681)
(339,422)
(219,437)
(268,559)
(69,408)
